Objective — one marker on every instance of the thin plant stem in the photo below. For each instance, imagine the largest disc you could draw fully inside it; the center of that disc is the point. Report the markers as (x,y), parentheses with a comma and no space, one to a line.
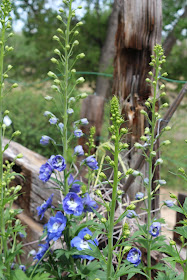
(112,212)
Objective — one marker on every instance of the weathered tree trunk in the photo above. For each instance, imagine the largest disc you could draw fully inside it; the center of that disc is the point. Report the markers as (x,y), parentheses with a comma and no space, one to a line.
(139,29)
(103,85)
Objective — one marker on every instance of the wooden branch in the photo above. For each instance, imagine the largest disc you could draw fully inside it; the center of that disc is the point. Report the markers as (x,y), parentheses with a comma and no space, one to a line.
(165,121)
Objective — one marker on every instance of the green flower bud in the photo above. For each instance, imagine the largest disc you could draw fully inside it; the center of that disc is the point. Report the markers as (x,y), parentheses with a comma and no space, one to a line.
(54,60)
(80,23)
(131,207)
(61,10)
(126,249)
(11,35)
(138,145)
(11,211)
(165,105)
(102,175)
(181,170)
(16,133)
(164,74)
(76,43)
(172,195)
(80,80)
(17,189)
(87,237)
(103,220)
(143,138)
(56,51)
(81,55)
(107,158)
(57,81)
(67,47)
(60,31)
(79,7)
(172,242)
(84,188)
(167,128)
(119,192)
(98,193)
(56,38)
(76,32)
(52,75)
(59,17)
(148,80)
(19,155)
(147,130)
(5,76)
(9,67)
(113,137)
(129,171)
(163,94)
(83,95)
(125,146)
(6,112)
(124,130)
(4,126)
(153,153)
(162,87)
(166,142)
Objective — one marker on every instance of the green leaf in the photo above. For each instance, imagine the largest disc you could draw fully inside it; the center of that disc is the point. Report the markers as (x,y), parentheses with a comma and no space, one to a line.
(185,205)
(182,231)
(18,274)
(43,276)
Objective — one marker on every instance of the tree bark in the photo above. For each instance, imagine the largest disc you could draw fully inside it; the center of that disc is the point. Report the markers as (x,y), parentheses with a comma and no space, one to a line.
(103,85)
(171,39)
(139,30)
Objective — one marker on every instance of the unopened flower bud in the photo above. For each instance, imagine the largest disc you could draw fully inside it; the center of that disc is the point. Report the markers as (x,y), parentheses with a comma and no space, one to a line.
(56,51)
(98,193)
(131,207)
(124,130)
(126,249)
(80,80)
(73,71)
(9,67)
(19,155)
(153,153)
(129,171)
(52,75)
(80,23)
(165,105)
(83,95)
(16,133)
(172,242)
(167,128)
(119,192)
(81,55)
(166,142)
(159,161)
(54,60)
(172,195)
(103,220)
(181,170)
(162,87)
(59,17)
(87,237)
(60,30)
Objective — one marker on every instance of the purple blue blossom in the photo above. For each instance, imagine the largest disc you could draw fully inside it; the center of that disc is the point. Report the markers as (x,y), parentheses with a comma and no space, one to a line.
(78,133)
(84,121)
(22,235)
(45,172)
(74,184)
(70,111)
(55,226)
(78,151)
(80,243)
(72,204)
(53,120)
(22,267)
(91,162)
(131,214)
(134,256)
(139,195)
(169,203)
(42,250)
(154,229)
(61,126)
(45,140)
(41,209)
(58,162)
(88,203)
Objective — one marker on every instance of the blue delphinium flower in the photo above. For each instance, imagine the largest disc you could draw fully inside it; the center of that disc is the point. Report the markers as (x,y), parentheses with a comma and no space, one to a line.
(91,162)
(45,140)
(72,204)
(80,243)
(84,121)
(58,162)
(12,265)
(41,209)
(74,184)
(78,151)
(146,181)
(89,204)
(42,250)
(22,267)
(131,214)
(45,172)
(61,126)
(134,256)
(22,235)
(53,120)
(139,195)
(154,229)
(55,226)
(169,203)
(70,111)
(78,133)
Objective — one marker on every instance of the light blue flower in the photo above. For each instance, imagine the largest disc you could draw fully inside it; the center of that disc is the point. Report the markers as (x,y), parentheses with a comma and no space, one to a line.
(22,267)
(53,120)
(45,140)
(131,214)
(169,203)
(41,209)
(88,203)
(80,243)
(72,204)
(74,184)
(91,162)
(78,151)
(139,195)
(70,111)
(154,229)
(42,250)
(45,172)
(55,226)
(61,126)
(134,256)
(58,162)
(78,133)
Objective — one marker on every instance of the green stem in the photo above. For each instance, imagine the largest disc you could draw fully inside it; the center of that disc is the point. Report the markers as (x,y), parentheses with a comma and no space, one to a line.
(66,79)
(185,270)
(112,212)
(149,190)
(2,225)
